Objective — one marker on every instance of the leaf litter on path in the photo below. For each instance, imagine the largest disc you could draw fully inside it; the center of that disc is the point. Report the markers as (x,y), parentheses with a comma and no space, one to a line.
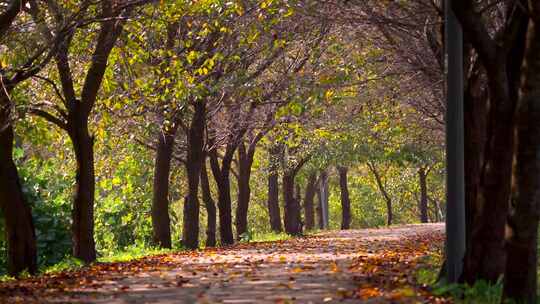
(371,265)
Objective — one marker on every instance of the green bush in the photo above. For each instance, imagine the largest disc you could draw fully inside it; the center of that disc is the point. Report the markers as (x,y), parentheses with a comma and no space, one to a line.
(49,197)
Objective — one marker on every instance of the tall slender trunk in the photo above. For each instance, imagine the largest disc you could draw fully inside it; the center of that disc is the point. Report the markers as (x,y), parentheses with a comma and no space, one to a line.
(210,206)
(520,278)
(225,210)
(222,178)
(292,217)
(273,189)
(19,227)
(309,211)
(422,178)
(195,157)
(382,189)
(323,200)
(298,193)
(245,161)
(161,223)
(345,200)
(84,247)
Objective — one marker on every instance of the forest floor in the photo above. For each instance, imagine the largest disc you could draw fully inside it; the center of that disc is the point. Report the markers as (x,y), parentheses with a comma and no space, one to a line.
(366,266)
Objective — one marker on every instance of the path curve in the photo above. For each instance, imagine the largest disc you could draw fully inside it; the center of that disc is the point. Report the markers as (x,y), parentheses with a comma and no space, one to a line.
(330,267)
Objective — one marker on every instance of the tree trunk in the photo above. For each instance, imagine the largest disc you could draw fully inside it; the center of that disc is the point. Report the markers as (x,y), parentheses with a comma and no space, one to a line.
(309,211)
(161,223)
(422,176)
(210,206)
(439,217)
(520,278)
(245,161)
(485,257)
(382,189)
(298,193)
(292,218)
(195,157)
(475,112)
(323,200)
(222,178)
(225,210)
(20,233)
(273,190)
(345,200)
(84,247)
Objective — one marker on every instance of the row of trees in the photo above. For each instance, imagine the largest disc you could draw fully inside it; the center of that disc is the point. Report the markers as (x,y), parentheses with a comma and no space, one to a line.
(211,86)
(501,96)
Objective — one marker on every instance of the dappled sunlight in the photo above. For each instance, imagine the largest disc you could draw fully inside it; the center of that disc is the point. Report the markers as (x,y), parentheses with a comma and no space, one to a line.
(328,267)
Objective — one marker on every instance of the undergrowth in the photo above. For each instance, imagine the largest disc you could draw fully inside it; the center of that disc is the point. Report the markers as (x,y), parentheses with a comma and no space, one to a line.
(481,292)
(251,236)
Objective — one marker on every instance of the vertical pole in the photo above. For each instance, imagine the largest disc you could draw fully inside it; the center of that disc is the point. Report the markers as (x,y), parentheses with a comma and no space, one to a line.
(455,180)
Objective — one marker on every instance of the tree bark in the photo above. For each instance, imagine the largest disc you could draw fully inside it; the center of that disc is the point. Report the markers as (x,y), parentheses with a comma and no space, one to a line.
(76,125)
(318,209)
(19,226)
(84,247)
(293,210)
(245,161)
(210,206)
(195,157)
(422,177)
(161,223)
(476,106)
(382,189)
(292,218)
(309,211)
(345,200)
(502,58)
(222,178)
(322,199)
(273,189)
(520,278)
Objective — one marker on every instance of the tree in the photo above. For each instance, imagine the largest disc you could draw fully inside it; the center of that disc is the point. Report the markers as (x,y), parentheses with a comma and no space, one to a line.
(309,207)
(245,162)
(292,216)
(210,206)
(275,158)
(17,65)
(345,200)
(520,277)
(164,154)
(422,178)
(322,202)
(485,254)
(21,239)
(73,111)
(380,184)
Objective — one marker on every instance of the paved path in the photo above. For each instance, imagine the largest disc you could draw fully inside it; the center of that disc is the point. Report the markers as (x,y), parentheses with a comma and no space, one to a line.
(365,266)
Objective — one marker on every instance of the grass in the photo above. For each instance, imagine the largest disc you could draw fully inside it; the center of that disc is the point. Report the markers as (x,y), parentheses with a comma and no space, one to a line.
(136,252)
(129,254)
(480,292)
(133,253)
(265,237)
(67,264)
